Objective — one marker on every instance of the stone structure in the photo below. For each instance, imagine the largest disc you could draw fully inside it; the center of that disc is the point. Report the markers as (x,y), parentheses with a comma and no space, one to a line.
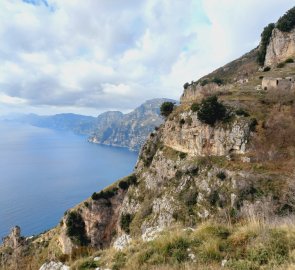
(280,48)
(278,83)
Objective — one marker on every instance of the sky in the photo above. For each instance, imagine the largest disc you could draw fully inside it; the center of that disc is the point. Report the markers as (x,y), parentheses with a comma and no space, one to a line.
(90,56)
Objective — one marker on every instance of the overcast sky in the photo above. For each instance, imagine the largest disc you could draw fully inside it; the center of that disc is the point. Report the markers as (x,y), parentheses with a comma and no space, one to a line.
(95,55)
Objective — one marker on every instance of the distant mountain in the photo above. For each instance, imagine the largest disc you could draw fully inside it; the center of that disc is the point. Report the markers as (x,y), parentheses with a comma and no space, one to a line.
(79,124)
(110,128)
(128,130)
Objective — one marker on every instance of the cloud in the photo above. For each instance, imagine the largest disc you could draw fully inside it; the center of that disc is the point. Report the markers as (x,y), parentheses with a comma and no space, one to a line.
(61,55)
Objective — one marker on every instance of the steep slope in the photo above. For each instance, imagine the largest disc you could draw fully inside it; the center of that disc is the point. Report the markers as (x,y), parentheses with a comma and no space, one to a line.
(204,194)
(130,130)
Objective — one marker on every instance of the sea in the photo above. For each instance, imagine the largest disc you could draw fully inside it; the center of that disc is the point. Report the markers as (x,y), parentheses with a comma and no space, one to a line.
(44,172)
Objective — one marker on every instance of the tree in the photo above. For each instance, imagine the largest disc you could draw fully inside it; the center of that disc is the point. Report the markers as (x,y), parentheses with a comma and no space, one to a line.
(76,228)
(166,108)
(265,39)
(287,22)
(211,111)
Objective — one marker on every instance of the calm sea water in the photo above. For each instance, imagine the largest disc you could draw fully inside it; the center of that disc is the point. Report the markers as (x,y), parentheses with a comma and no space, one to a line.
(44,172)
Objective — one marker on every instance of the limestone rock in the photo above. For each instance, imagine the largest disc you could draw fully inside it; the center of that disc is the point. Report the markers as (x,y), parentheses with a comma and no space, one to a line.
(198,139)
(54,266)
(122,241)
(280,48)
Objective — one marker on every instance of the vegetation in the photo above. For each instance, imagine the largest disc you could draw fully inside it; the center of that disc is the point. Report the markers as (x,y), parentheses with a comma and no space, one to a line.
(128,181)
(265,39)
(280,65)
(249,245)
(266,69)
(289,60)
(195,107)
(104,194)
(166,108)
(186,85)
(287,22)
(211,111)
(76,228)
(125,222)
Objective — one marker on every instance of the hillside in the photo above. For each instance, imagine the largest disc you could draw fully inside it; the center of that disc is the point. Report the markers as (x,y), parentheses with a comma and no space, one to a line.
(213,187)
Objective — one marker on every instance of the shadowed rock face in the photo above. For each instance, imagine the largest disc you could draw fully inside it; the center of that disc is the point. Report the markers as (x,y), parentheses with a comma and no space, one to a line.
(280,48)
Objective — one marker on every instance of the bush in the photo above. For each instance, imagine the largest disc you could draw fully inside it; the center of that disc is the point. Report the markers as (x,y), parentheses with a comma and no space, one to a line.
(182,155)
(195,107)
(104,194)
(217,81)
(265,39)
(125,221)
(211,111)
(123,185)
(76,228)
(266,69)
(166,108)
(204,82)
(181,122)
(221,175)
(280,65)
(186,85)
(287,22)
(253,124)
(289,60)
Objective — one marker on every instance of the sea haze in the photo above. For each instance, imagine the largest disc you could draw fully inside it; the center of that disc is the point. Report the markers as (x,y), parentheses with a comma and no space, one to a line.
(44,172)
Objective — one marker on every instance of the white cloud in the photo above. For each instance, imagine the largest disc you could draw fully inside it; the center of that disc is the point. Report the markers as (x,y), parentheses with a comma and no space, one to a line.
(97,55)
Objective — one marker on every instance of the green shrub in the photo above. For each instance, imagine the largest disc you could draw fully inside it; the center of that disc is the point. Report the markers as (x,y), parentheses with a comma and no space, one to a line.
(280,65)
(253,124)
(217,81)
(123,185)
(204,82)
(104,194)
(265,39)
(266,69)
(166,108)
(186,85)
(87,265)
(195,107)
(119,261)
(181,122)
(287,22)
(177,250)
(182,155)
(221,175)
(76,228)
(125,221)
(211,111)
(289,60)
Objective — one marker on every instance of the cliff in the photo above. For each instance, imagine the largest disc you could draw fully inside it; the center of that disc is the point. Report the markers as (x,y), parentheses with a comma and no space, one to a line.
(280,48)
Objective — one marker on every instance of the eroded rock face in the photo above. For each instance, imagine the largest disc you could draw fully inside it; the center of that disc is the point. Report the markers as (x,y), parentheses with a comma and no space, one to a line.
(196,90)
(280,48)
(196,138)
(54,266)
(100,217)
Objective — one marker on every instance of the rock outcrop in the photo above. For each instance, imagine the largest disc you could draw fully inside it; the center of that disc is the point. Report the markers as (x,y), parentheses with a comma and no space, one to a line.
(187,134)
(280,48)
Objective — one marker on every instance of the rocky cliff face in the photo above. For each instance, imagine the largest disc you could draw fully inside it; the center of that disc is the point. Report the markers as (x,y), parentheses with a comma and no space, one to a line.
(280,48)
(187,134)
(129,130)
